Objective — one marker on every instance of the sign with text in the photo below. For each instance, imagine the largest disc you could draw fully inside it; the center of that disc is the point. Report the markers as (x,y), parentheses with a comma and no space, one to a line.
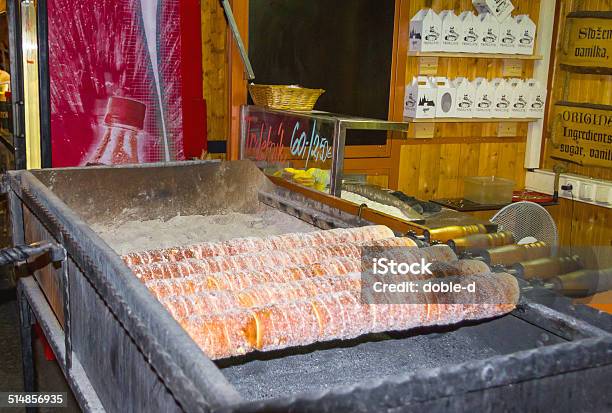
(583,134)
(589,41)
(287,138)
(292,145)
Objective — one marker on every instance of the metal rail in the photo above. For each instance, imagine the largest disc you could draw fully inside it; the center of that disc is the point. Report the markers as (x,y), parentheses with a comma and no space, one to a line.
(21,253)
(248,68)
(34,306)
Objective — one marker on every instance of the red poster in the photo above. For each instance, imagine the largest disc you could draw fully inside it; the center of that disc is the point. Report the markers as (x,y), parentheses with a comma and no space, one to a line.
(117,73)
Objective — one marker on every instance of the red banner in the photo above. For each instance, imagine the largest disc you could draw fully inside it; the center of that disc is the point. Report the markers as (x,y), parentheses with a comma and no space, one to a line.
(119,82)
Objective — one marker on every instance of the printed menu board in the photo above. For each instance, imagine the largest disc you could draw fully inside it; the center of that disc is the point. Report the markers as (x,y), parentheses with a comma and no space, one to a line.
(582,134)
(588,41)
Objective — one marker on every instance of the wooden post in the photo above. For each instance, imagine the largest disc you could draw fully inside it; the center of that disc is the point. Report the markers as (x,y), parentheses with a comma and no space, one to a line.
(398,82)
(238,83)
(545,47)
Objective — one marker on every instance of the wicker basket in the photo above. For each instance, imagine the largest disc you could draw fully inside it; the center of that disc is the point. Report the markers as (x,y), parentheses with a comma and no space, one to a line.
(284,97)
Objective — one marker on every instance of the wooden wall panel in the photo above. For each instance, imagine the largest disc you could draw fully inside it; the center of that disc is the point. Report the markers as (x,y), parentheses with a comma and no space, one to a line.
(429,173)
(576,87)
(380,180)
(215,69)
(237,79)
(449,170)
(469,154)
(408,171)
(435,168)
(581,224)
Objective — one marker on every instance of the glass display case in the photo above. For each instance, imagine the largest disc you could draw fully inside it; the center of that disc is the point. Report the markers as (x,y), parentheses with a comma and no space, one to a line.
(305,147)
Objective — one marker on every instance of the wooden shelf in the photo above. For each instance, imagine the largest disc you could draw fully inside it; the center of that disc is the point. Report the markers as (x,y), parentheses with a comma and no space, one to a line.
(476,55)
(586,70)
(445,140)
(469,120)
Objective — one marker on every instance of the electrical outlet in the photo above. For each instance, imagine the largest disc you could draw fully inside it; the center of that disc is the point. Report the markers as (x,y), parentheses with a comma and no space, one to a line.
(595,191)
(512,68)
(423,130)
(603,195)
(586,191)
(428,66)
(573,187)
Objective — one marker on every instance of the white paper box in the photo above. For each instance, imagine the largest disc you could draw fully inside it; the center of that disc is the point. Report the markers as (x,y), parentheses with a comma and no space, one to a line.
(425,29)
(489,33)
(470,32)
(483,98)
(508,36)
(445,98)
(502,98)
(500,9)
(451,31)
(536,98)
(519,98)
(420,98)
(465,99)
(526,29)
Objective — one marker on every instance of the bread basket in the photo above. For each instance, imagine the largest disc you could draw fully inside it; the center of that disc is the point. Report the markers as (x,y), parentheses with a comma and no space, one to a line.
(286,97)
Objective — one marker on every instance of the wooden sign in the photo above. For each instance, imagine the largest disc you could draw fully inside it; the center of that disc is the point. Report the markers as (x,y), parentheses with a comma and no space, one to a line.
(582,134)
(588,42)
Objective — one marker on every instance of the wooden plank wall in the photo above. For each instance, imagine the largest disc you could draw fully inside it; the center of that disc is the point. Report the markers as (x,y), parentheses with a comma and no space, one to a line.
(435,168)
(215,69)
(576,87)
(580,223)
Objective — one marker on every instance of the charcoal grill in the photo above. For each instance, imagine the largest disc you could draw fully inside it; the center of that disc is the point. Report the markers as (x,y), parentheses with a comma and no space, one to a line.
(121,351)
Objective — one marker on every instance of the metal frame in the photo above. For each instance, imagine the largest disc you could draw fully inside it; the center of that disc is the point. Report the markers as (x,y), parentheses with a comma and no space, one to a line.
(592,348)
(194,381)
(17,100)
(337,169)
(14,23)
(342,123)
(196,384)
(498,384)
(33,306)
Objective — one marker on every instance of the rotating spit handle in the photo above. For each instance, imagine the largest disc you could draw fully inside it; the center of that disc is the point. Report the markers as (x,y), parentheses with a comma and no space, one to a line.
(418,239)
(583,283)
(22,253)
